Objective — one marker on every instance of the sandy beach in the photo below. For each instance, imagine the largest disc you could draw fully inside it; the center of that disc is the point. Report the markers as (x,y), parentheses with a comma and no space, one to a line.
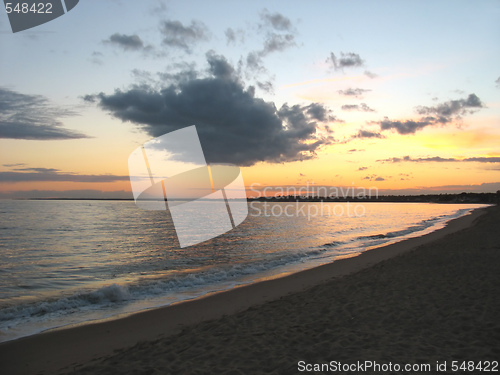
(422,301)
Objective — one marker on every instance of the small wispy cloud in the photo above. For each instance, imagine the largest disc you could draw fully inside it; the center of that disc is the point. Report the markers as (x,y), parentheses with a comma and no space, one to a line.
(127,42)
(54,175)
(345,60)
(356,92)
(374,177)
(363,107)
(438,159)
(362,133)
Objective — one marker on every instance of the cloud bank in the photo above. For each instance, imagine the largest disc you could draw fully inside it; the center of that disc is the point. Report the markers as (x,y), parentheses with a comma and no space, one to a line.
(441,114)
(32,117)
(439,159)
(51,174)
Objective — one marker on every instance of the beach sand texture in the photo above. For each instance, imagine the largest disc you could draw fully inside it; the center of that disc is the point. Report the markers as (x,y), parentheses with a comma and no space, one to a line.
(439,302)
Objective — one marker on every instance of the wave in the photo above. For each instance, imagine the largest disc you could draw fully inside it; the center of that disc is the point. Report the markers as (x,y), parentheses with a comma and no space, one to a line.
(110,296)
(422,225)
(106,295)
(334,244)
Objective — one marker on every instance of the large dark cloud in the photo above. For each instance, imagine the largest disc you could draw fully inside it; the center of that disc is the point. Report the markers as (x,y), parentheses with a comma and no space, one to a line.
(345,60)
(444,113)
(175,34)
(219,67)
(51,174)
(127,42)
(234,125)
(439,159)
(32,117)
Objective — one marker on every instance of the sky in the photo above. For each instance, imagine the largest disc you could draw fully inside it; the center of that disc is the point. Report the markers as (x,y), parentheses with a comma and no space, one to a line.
(399,96)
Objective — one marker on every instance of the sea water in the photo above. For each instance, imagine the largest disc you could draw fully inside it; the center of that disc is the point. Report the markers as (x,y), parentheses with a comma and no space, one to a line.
(71,262)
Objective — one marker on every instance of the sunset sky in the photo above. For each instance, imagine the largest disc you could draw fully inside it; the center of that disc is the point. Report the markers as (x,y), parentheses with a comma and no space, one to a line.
(401,96)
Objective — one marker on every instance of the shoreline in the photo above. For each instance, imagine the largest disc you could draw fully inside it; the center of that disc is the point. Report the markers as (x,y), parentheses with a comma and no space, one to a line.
(53,350)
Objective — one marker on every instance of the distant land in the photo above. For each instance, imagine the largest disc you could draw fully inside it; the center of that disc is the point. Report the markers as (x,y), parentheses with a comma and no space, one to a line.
(491,198)
(488,198)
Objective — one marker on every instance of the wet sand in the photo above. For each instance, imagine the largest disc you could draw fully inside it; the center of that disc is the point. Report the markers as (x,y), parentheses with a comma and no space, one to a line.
(426,299)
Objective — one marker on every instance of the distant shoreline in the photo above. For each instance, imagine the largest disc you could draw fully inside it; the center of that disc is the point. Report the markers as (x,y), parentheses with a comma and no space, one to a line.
(467,198)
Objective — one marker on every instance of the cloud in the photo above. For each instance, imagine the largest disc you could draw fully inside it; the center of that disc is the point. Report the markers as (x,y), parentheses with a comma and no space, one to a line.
(266,86)
(96,58)
(403,127)
(451,110)
(321,113)
(174,73)
(176,35)
(350,107)
(254,63)
(233,124)
(439,159)
(444,113)
(498,82)
(355,107)
(160,9)
(275,20)
(279,36)
(14,165)
(234,36)
(219,67)
(357,92)
(277,43)
(32,117)
(346,60)
(367,134)
(362,168)
(127,42)
(374,177)
(54,175)
(370,74)
(66,194)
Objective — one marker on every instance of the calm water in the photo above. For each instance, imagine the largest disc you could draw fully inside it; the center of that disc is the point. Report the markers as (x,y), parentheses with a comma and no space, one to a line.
(68,262)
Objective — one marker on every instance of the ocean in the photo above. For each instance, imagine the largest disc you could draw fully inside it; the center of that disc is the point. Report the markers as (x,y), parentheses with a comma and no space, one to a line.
(71,262)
